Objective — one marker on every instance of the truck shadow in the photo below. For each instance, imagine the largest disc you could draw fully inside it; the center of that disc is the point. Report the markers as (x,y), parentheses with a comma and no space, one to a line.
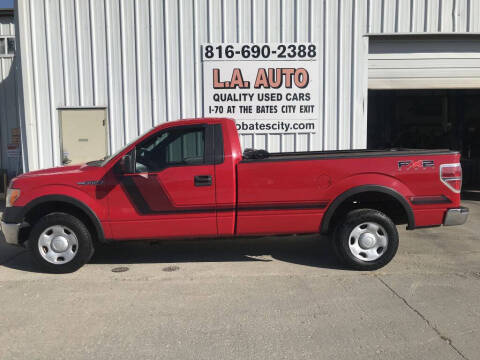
(301,250)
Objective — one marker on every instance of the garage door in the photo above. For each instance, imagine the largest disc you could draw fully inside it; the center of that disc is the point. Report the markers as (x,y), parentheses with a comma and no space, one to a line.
(424,62)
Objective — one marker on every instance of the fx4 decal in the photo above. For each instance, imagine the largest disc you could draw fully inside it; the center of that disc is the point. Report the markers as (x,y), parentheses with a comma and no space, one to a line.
(418,164)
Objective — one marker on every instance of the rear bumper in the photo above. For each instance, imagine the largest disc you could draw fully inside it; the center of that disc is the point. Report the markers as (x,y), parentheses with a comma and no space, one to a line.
(456,216)
(10,231)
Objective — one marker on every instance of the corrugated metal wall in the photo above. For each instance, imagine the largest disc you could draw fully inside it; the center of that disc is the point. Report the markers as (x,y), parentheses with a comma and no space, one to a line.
(8,100)
(142,60)
(420,16)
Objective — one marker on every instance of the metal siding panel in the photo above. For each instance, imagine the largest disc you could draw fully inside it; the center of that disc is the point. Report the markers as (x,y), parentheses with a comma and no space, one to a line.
(274,143)
(318,37)
(28,114)
(129,60)
(274,28)
(404,18)
(418,16)
(42,85)
(261,141)
(144,61)
(288,142)
(474,16)
(303,142)
(302,20)
(433,23)
(359,79)
(259,21)
(245,20)
(187,59)
(330,118)
(288,20)
(159,80)
(116,119)
(172,62)
(56,83)
(375,16)
(230,21)
(461,15)
(345,73)
(70,52)
(389,16)
(215,22)
(200,37)
(447,15)
(246,141)
(84,38)
(99,52)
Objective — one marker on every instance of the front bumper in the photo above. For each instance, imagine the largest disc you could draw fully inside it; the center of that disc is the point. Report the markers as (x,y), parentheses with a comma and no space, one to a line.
(10,231)
(456,216)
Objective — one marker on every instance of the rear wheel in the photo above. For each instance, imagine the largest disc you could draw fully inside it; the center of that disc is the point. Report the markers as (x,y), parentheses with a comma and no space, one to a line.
(60,243)
(366,239)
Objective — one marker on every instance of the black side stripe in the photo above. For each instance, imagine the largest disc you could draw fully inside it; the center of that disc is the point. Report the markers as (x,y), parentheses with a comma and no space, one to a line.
(138,201)
(280,206)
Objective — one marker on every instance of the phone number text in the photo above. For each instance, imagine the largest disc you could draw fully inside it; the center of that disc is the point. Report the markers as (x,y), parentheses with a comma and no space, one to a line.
(254,51)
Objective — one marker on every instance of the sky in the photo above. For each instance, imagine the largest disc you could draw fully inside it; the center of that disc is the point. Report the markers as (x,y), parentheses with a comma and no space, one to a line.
(4,4)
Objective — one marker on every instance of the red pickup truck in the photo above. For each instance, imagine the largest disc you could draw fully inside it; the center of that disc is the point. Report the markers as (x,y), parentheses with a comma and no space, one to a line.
(189,179)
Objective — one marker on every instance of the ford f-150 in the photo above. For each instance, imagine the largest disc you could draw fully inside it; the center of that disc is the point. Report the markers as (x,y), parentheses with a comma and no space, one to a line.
(189,179)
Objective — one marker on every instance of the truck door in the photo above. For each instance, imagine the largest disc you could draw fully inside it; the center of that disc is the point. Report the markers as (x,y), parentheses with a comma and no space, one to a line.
(171,192)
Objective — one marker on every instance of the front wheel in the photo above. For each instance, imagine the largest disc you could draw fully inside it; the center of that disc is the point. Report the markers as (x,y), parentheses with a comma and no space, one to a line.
(60,243)
(366,239)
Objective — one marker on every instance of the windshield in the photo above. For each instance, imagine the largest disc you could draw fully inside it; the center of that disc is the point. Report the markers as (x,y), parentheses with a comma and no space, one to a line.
(106,159)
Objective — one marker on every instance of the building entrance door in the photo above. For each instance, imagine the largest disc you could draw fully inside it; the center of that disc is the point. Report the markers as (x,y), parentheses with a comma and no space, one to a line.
(428,119)
(83,135)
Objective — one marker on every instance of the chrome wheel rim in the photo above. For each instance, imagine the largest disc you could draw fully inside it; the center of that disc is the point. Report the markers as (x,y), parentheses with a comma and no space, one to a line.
(368,241)
(58,244)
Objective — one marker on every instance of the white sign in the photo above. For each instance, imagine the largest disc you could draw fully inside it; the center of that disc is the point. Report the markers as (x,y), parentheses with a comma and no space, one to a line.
(13,150)
(273,87)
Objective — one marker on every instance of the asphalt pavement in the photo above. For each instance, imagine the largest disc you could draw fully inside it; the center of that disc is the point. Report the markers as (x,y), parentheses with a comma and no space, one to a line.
(268,298)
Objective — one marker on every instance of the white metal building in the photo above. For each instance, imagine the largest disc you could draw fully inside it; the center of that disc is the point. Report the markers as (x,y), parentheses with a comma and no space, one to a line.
(140,63)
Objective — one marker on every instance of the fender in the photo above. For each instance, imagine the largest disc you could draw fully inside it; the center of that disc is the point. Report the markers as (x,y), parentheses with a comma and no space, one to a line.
(367,188)
(20,215)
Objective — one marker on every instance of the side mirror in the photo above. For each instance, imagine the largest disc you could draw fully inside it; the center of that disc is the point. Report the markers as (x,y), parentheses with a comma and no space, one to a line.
(125,165)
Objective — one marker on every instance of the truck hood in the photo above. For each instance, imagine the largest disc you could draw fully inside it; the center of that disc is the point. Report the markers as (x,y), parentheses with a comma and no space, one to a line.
(66,175)
(62,170)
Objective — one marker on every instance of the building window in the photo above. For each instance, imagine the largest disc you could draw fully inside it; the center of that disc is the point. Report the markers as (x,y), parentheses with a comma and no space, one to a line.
(7,46)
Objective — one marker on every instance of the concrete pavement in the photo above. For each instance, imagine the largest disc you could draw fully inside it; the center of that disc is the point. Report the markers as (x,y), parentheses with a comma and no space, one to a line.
(270,298)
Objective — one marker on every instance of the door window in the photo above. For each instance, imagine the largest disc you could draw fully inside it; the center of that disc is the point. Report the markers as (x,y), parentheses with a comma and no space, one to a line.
(174,147)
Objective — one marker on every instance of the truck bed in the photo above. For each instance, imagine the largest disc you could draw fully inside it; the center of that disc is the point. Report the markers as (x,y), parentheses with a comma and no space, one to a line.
(339,154)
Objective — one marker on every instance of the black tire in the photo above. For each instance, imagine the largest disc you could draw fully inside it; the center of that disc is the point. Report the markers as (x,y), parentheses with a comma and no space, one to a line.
(359,217)
(83,253)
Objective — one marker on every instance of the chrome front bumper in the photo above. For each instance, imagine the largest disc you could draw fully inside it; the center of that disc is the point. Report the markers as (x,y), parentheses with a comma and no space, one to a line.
(10,231)
(457,216)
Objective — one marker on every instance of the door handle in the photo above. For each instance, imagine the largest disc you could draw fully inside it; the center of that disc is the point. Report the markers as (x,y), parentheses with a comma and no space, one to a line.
(203,180)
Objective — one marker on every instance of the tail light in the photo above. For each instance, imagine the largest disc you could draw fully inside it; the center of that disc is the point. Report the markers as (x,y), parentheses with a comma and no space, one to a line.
(451,175)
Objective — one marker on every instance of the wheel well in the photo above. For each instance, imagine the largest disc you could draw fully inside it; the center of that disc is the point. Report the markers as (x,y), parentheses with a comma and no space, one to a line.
(42,209)
(376,200)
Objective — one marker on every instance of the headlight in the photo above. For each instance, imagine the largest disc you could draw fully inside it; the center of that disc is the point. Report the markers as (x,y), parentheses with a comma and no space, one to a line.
(12,196)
